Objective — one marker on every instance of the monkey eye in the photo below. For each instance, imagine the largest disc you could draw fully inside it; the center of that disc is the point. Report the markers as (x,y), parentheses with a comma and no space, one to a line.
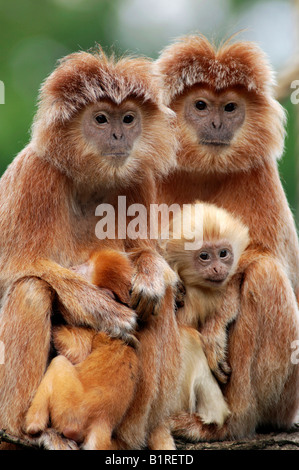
(201,105)
(223,253)
(101,119)
(128,118)
(230,107)
(204,256)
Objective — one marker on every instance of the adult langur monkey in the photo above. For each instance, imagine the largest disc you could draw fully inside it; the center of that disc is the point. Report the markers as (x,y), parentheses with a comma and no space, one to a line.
(99,133)
(231,133)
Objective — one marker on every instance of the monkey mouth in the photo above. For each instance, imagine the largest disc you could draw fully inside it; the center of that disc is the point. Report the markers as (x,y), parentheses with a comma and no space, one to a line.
(216,281)
(116,154)
(216,143)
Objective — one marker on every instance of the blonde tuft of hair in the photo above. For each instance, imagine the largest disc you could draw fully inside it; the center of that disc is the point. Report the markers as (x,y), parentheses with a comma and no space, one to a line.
(216,224)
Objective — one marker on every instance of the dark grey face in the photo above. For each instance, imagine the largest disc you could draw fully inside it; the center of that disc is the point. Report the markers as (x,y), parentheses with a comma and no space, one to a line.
(214,262)
(112,129)
(214,118)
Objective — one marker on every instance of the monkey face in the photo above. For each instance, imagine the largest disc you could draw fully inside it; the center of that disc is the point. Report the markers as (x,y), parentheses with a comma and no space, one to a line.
(112,130)
(213,263)
(225,131)
(112,145)
(102,123)
(214,118)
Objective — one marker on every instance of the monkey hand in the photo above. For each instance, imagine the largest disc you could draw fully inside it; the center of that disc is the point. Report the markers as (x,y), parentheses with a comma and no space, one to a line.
(92,306)
(151,278)
(84,304)
(180,292)
(215,349)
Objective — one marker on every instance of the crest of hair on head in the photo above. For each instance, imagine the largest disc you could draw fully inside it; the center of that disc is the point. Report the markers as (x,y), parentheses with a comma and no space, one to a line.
(241,66)
(195,60)
(83,78)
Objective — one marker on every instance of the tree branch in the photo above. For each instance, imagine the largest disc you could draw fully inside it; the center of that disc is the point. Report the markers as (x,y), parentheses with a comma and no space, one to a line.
(288,440)
(20,442)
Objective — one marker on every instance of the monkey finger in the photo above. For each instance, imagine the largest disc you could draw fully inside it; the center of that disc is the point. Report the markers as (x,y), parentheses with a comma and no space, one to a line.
(135,300)
(132,341)
(151,307)
(225,367)
(123,316)
(126,337)
(220,375)
(144,308)
(157,306)
(142,302)
(180,293)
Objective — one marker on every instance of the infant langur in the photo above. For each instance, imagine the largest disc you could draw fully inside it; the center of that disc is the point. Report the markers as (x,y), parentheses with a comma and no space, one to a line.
(86,391)
(205,272)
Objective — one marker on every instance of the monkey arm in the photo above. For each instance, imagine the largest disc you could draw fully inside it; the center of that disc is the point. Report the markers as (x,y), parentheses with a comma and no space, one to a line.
(84,304)
(215,331)
(151,278)
(214,339)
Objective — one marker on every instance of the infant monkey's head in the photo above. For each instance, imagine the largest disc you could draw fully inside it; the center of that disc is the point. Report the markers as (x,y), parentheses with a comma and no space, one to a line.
(212,262)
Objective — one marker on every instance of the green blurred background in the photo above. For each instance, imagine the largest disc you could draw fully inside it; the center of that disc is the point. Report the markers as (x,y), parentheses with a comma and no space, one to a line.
(35,33)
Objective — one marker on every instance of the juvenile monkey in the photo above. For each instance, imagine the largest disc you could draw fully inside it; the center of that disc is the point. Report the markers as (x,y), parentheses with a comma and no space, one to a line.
(231,133)
(86,392)
(205,272)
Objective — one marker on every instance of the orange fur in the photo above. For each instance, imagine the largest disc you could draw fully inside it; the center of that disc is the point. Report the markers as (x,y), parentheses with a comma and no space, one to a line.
(81,395)
(243,179)
(144,402)
(160,354)
(87,401)
(48,199)
(80,392)
(203,304)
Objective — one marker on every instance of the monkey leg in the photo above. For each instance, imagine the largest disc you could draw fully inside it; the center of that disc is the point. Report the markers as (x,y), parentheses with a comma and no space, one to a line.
(25,333)
(151,278)
(57,398)
(156,393)
(73,342)
(99,437)
(200,391)
(52,440)
(161,438)
(210,403)
(264,384)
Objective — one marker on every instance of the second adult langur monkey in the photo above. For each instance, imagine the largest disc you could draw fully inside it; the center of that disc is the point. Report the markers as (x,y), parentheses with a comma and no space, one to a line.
(99,133)
(231,133)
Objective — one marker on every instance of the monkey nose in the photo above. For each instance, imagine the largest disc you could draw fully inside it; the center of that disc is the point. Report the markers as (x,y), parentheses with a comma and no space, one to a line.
(117,136)
(217,124)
